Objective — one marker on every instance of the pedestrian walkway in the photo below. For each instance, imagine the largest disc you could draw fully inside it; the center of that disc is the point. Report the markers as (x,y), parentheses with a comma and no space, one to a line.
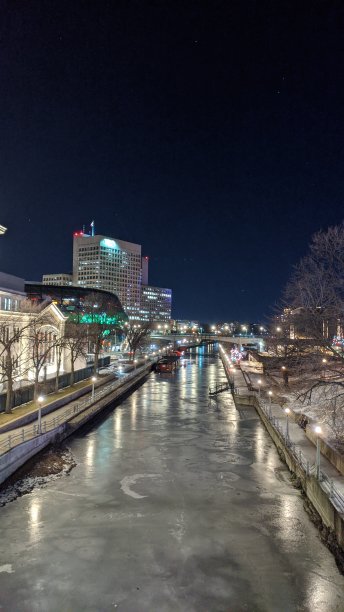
(290,430)
(32,407)
(22,432)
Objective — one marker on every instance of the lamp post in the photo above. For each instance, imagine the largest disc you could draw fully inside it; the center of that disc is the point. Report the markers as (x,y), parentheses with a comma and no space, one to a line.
(259,386)
(270,411)
(40,400)
(287,412)
(94,378)
(324,366)
(317,458)
(135,362)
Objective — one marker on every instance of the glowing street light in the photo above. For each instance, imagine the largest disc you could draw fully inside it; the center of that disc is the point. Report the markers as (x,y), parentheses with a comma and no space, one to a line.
(259,386)
(94,379)
(270,410)
(318,431)
(40,400)
(287,412)
(324,366)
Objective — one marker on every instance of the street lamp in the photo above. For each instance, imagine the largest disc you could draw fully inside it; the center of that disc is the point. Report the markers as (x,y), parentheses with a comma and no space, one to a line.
(270,395)
(94,378)
(40,400)
(317,430)
(259,385)
(135,362)
(324,370)
(287,412)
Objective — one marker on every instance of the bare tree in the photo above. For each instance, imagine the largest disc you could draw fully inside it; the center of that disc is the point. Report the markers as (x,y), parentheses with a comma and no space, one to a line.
(12,355)
(314,296)
(313,315)
(135,334)
(76,344)
(60,346)
(42,337)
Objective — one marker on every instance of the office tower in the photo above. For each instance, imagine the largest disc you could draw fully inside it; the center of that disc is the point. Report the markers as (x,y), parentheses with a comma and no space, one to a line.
(156,303)
(60,279)
(107,263)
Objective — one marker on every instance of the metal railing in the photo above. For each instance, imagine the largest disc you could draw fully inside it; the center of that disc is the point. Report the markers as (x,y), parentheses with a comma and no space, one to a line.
(310,469)
(77,407)
(219,387)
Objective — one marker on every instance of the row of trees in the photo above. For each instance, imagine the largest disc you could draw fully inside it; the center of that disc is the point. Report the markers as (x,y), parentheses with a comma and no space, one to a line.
(31,339)
(311,318)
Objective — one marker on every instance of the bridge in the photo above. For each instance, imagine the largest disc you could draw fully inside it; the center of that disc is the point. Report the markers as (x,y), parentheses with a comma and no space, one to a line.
(254,342)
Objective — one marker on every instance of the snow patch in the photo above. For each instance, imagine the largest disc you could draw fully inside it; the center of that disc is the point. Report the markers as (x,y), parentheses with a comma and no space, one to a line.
(6,568)
(127,481)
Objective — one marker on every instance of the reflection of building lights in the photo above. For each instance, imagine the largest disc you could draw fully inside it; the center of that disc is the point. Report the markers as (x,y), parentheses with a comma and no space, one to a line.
(34,512)
(90,452)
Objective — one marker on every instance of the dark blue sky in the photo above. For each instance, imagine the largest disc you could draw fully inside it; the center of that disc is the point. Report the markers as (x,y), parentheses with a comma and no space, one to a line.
(211,133)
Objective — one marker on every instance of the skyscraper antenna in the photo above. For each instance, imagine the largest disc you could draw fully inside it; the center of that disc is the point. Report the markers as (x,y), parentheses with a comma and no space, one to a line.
(92,228)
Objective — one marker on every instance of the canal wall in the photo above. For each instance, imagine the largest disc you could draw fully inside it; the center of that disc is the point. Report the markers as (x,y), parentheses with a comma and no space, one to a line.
(331,517)
(18,455)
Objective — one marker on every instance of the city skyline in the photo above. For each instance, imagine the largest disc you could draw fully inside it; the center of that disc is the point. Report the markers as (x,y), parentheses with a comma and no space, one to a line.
(198,132)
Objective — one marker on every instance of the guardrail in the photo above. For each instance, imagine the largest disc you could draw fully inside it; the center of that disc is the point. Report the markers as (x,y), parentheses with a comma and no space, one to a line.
(29,432)
(310,469)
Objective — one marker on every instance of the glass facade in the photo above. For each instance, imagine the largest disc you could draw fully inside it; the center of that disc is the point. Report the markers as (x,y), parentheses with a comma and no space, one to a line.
(111,265)
(156,303)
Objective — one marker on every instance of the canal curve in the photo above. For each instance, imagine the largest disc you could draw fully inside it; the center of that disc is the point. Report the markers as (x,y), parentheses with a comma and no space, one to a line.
(178,502)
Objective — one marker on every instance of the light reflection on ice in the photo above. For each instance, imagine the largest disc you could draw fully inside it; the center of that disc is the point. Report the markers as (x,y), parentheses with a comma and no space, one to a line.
(133,410)
(34,518)
(117,421)
(90,455)
(260,440)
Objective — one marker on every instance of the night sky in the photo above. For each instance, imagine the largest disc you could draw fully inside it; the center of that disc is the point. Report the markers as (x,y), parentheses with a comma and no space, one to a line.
(210,133)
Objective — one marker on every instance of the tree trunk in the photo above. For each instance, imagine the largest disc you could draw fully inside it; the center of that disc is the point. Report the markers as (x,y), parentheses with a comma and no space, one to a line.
(9,396)
(96,360)
(71,373)
(58,367)
(36,385)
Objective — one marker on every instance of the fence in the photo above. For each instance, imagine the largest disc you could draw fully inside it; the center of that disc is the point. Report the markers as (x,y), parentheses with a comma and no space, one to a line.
(25,395)
(310,469)
(50,424)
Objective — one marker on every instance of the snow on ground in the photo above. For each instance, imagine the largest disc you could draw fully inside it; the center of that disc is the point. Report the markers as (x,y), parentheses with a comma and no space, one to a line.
(50,466)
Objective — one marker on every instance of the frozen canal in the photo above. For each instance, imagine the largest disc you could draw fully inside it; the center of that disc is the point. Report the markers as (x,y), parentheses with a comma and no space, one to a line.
(177,503)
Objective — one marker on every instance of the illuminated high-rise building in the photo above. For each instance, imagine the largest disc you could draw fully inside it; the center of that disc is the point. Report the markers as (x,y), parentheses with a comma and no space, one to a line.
(110,264)
(2,229)
(156,303)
